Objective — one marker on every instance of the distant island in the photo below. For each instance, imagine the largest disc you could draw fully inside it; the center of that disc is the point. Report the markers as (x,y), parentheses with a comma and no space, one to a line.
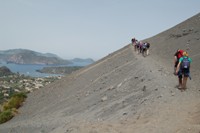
(59,70)
(24,56)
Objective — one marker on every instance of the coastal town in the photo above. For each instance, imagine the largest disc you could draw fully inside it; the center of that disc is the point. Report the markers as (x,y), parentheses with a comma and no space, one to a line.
(11,83)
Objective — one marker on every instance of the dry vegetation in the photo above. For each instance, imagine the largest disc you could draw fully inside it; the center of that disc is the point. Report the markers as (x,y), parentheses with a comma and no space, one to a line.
(9,108)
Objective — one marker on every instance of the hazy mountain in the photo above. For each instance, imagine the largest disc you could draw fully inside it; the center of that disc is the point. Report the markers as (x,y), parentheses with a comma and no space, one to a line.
(121,93)
(24,56)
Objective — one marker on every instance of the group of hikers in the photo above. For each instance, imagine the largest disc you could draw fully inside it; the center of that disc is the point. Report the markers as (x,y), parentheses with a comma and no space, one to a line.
(181,61)
(182,68)
(140,47)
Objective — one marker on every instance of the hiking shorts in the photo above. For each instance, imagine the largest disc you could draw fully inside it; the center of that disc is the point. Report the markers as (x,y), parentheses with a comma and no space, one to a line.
(185,72)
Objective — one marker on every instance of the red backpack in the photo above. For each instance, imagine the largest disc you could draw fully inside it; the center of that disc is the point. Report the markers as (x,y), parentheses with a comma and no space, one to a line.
(180,54)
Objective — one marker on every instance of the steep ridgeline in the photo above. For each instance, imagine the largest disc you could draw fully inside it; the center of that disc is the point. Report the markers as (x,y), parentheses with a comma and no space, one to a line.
(121,93)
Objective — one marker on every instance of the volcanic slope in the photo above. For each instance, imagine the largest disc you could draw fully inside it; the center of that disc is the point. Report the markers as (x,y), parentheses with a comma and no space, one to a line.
(121,93)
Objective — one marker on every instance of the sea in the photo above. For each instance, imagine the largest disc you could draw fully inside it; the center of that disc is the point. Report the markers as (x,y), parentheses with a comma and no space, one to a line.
(30,69)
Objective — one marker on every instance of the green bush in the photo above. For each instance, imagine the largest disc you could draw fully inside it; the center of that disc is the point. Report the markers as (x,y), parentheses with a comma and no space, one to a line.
(5,116)
(20,95)
(15,101)
(9,109)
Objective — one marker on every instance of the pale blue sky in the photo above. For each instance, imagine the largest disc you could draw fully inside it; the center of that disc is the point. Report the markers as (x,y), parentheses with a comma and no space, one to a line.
(86,28)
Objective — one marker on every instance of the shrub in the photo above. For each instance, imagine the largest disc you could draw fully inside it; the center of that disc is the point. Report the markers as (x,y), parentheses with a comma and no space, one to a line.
(9,109)
(20,95)
(5,116)
(15,101)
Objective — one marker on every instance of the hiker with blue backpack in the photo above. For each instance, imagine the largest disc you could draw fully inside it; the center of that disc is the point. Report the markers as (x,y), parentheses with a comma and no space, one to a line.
(145,48)
(183,70)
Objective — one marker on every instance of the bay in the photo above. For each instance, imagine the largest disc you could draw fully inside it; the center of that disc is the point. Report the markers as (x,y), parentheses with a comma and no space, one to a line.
(30,69)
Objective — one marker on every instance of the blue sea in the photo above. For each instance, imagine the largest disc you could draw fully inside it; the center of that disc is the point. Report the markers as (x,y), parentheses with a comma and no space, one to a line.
(30,70)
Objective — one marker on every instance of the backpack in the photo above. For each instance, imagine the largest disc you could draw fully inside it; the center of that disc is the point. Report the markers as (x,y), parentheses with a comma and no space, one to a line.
(180,54)
(185,64)
(148,45)
(144,46)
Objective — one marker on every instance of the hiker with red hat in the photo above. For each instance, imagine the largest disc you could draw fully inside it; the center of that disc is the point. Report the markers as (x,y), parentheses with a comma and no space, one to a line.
(177,56)
(183,69)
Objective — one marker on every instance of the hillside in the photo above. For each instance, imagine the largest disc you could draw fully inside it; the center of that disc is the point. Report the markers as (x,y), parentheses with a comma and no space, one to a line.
(4,71)
(186,36)
(121,93)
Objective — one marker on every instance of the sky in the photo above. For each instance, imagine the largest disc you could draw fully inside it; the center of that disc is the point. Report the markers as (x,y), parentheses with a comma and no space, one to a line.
(86,28)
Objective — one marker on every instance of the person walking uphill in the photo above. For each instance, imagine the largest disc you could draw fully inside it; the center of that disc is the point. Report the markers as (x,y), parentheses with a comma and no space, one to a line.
(133,42)
(177,56)
(148,46)
(183,69)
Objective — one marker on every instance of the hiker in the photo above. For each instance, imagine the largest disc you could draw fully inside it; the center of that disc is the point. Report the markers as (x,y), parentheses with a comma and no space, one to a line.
(177,56)
(148,46)
(183,68)
(140,46)
(144,49)
(133,42)
(137,46)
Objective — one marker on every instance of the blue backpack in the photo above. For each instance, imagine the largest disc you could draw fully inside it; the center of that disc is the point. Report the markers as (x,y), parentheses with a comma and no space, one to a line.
(185,64)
